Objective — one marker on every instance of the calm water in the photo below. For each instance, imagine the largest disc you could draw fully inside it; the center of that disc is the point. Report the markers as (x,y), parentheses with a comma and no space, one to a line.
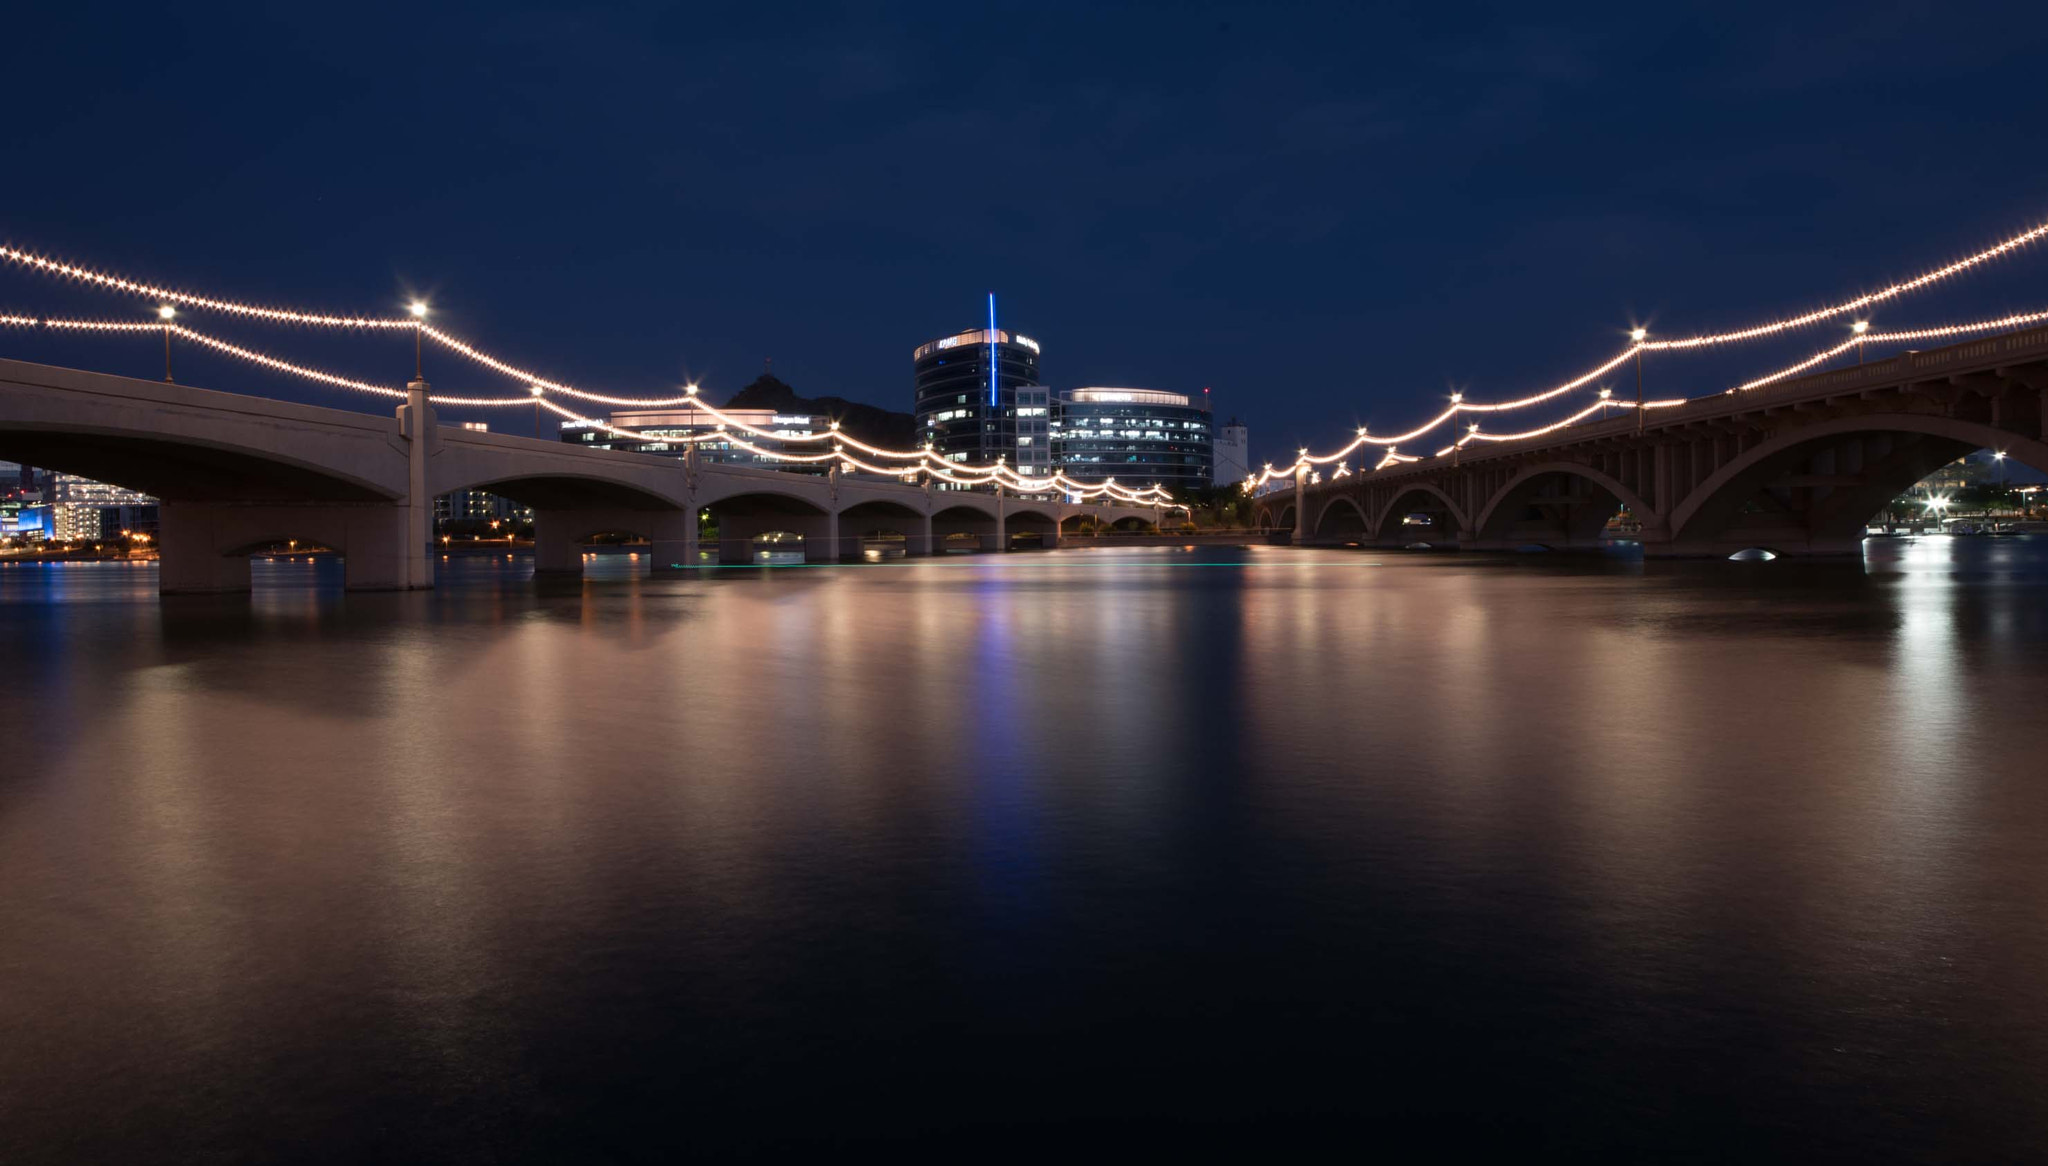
(1131,849)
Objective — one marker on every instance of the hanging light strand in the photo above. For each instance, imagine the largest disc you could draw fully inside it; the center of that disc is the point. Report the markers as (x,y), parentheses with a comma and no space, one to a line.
(117,283)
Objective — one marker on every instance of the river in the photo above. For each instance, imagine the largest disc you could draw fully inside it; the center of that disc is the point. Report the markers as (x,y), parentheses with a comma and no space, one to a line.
(1134,850)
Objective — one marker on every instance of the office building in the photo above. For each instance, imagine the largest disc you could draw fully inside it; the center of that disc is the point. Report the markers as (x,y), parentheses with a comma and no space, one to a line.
(82,510)
(967,388)
(1137,436)
(667,432)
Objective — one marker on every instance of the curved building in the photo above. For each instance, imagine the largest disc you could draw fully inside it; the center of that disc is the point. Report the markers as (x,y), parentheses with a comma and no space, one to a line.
(979,398)
(1137,436)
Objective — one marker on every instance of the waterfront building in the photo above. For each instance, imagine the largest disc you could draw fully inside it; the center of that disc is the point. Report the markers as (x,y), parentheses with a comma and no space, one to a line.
(966,388)
(1233,454)
(478,506)
(1033,456)
(1137,436)
(82,510)
(667,432)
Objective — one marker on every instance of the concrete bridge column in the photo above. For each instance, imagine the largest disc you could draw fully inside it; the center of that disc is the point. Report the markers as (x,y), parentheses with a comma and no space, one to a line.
(821,538)
(555,549)
(377,553)
(204,546)
(675,543)
(1000,540)
(915,544)
(1300,505)
(416,423)
(189,546)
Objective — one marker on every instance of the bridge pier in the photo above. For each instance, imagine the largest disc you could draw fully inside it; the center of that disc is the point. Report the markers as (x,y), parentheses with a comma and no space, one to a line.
(204,547)
(737,532)
(675,544)
(416,425)
(559,536)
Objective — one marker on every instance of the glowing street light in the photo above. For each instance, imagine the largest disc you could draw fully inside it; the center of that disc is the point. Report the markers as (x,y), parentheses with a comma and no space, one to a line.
(1860,328)
(1639,335)
(418,308)
(167,313)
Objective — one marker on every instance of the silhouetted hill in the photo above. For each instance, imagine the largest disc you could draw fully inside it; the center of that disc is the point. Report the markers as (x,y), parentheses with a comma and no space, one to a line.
(868,423)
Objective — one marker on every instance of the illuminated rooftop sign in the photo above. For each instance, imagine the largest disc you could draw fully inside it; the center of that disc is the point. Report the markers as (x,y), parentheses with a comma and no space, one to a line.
(1126,397)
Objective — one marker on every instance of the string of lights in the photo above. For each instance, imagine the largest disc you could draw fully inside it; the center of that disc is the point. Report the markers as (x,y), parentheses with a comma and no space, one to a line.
(93,278)
(1862,336)
(1937,333)
(956,472)
(271,362)
(1893,291)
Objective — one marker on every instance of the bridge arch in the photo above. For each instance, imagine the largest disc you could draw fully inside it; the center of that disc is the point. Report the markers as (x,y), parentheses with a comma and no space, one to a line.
(1560,519)
(965,522)
(762,508)
(878,527)
(188,468)
(1032,524)
(1421,497)
(1820,484)
(1341,517)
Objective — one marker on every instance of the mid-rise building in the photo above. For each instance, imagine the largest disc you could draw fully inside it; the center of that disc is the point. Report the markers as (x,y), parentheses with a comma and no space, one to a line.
(967,389)
(1137,436)
(1033,455)
(82,510)
(1233,454)
(668,432)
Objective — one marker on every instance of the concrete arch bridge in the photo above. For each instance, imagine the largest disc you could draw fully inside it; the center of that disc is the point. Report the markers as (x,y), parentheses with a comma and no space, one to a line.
(1798,468)
(236,472)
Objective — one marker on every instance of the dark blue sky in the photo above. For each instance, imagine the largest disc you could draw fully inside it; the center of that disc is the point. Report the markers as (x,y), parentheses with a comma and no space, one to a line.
(1328,213)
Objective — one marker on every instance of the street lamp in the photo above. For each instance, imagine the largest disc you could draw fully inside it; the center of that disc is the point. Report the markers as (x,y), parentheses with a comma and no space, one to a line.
(1639,335)
(418,308)
(1859,328)
(166,313)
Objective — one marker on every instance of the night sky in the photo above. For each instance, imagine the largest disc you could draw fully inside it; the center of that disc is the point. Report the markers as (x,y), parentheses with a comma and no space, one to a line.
(1330,214)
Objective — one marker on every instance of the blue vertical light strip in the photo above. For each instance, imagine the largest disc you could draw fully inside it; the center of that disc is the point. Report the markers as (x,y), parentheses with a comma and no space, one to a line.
(994,353)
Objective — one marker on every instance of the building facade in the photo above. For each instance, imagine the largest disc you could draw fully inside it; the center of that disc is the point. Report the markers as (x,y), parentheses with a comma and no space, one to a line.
(668,432)
(82,510)
(966,388)
(1233,454)
(1137,436)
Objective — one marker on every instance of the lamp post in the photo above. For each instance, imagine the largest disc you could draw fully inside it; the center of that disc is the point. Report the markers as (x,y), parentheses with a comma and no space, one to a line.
(419,315)
(166,313)
(1639,335)
(1860,327)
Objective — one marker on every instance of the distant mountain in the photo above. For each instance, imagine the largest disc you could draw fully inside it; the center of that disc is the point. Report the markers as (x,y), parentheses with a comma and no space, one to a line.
(875,426)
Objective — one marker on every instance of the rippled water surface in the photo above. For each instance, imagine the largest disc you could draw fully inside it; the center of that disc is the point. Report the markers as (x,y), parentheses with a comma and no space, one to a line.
(1142,849)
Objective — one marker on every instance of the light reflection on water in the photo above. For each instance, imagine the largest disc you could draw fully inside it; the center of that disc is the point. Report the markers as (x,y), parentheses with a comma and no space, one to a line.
(1619,857)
